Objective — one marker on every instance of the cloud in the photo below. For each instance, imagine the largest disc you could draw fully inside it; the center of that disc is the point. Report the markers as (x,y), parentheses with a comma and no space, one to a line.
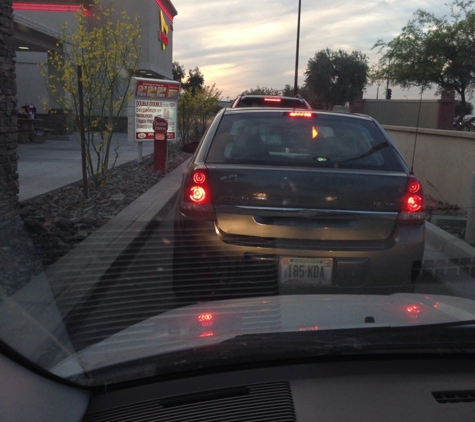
(239,45)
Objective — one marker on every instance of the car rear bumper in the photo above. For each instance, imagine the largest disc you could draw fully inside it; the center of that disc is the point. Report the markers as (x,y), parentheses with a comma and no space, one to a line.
(357,266)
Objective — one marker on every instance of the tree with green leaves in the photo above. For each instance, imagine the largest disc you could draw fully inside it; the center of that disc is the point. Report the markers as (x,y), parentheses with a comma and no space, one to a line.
(105,45)
(194,111)
(459,110)
(263,91)
(207,101)
(197,103)
(178,72)
(432,50)
(288,91)
(195,81)
(335,77)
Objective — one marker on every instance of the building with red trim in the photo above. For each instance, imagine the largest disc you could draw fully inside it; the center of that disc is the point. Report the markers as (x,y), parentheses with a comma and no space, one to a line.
(37,25)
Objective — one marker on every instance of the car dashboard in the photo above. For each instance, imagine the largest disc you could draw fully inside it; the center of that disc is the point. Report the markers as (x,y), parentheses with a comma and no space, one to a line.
(341,389)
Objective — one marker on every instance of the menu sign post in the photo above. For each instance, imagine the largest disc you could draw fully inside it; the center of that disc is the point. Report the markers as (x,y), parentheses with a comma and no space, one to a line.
(160,150)
(155,98)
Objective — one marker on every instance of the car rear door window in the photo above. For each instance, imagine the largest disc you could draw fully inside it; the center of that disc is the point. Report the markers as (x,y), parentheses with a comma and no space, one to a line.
(324,141)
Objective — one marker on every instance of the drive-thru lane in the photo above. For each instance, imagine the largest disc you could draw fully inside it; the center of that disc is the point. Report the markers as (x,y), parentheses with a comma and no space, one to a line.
(127,262)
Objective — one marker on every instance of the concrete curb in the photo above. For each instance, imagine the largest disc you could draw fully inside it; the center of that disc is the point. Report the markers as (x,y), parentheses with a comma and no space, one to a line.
(452,247)
(88,262)
(452,263)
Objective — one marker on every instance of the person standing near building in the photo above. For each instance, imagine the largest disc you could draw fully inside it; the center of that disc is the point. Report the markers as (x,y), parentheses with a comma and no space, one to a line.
(31,111)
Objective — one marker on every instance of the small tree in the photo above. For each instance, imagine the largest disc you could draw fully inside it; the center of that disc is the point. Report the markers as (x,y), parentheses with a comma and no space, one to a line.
(106,46)
(186,111)
(335,77)
(194,110)
(207,101)
(196,103)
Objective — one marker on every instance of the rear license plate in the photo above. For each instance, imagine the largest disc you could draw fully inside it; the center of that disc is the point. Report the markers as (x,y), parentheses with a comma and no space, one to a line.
(305,271)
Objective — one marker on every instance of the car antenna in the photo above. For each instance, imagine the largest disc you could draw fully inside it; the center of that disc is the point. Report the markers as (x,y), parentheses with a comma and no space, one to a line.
(417,131)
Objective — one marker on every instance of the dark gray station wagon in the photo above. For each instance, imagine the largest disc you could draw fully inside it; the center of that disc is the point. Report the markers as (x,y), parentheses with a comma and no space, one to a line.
(286,200)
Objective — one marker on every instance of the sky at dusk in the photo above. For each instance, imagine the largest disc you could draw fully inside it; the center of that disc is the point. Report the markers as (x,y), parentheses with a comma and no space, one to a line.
(240,45)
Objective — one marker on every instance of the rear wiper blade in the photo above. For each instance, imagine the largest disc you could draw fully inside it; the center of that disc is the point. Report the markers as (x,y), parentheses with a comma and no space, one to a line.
(371,151)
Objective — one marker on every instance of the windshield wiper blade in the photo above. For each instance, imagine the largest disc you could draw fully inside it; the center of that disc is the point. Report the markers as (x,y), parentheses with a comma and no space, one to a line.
(435,338)
(454,338)
(371,151)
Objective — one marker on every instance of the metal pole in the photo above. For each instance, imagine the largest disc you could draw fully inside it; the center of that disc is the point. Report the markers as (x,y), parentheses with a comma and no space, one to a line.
(296,88)
(82,132)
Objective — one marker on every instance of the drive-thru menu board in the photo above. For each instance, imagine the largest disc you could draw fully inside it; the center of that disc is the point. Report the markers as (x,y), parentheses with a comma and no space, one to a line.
(155,98)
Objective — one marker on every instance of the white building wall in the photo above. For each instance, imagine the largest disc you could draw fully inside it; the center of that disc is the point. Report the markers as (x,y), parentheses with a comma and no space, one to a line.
(32,86)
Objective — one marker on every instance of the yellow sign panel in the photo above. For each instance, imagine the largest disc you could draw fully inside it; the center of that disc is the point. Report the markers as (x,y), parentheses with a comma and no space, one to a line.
(164,29)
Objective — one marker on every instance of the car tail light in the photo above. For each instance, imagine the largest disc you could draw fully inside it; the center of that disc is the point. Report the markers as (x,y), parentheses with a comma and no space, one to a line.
(413,203)
(300,114)
(196,196)
(272,100)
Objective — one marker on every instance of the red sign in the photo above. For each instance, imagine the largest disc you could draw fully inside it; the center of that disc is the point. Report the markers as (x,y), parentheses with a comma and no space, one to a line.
(160,125)
(156,90)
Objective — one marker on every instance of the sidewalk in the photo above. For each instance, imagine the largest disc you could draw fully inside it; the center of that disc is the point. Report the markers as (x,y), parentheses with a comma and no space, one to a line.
(53,164)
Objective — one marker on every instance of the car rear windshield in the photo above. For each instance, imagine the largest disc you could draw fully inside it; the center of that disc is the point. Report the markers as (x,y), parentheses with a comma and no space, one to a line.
(322,140)
(271,102)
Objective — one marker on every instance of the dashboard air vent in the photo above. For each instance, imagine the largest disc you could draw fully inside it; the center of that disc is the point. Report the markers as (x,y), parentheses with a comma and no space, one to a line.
(463,396)
(270,402)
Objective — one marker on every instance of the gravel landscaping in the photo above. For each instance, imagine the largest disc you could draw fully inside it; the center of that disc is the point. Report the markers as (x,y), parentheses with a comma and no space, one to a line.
(50,225)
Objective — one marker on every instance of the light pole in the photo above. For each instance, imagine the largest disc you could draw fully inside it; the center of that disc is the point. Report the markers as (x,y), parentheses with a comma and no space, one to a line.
(296,88)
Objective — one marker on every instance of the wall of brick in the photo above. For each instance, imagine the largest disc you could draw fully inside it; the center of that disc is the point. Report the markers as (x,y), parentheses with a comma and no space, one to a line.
(8,122)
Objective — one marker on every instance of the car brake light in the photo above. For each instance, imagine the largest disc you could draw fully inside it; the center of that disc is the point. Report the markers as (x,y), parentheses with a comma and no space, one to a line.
(304,114)
(273,100)
(413,203)
(196,196)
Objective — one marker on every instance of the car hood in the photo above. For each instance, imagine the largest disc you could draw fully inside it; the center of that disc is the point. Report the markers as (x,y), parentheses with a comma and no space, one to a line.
(210,323)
